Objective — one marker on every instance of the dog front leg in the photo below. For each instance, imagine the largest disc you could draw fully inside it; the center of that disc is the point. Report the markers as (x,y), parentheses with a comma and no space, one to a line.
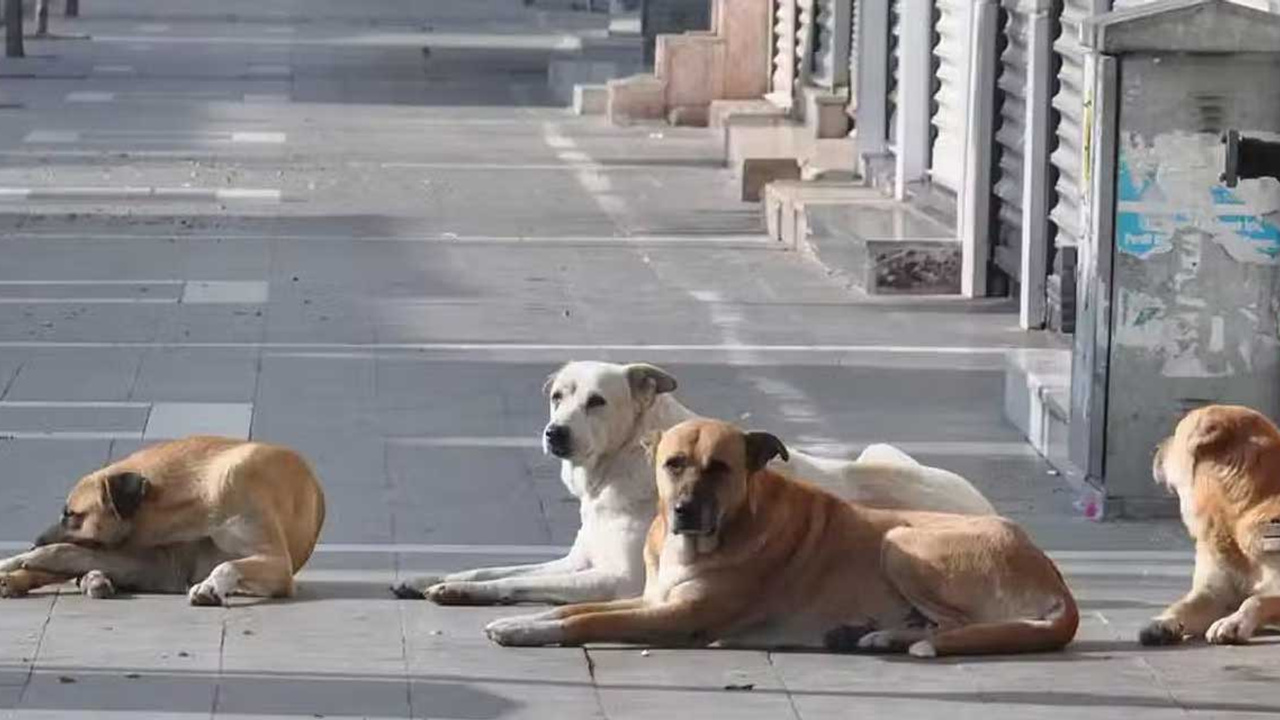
(1214,592)
(19,582)
(579,587)
(260,575)
(416,588)
(679,623)
(101,569)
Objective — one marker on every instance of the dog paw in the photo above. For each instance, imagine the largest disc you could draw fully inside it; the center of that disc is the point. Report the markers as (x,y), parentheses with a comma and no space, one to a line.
(454,594)
(1234,629)
(95,584)
(205,594)
(406,591)
(923,649)
(1161,631)
(523,632)
(881,641)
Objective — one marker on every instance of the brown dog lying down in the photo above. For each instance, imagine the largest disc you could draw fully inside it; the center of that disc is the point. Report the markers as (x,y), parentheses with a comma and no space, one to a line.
(1224,463)
(207,516)
(742,556)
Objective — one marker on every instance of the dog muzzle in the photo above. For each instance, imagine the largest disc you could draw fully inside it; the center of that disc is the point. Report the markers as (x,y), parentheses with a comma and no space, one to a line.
(690,517)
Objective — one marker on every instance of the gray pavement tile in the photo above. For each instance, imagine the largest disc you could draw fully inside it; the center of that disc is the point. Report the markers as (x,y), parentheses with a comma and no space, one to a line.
(100,374)
(86,692)
(170,420)
(120,421)
(464,496)
(199,375)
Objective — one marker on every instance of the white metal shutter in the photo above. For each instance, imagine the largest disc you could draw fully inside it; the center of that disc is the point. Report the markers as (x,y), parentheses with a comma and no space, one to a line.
(951,57)
(1068,102)
(1010,138)
(854,12)
(891,97)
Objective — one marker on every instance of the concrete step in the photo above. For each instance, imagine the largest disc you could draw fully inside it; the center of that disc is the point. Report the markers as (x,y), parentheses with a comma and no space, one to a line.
(786,202)
(1037,401)
(884,247)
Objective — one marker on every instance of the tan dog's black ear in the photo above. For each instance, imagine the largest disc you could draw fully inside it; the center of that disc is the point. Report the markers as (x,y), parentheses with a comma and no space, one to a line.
(126,491)
(650,443)
(763,447)
(649,380)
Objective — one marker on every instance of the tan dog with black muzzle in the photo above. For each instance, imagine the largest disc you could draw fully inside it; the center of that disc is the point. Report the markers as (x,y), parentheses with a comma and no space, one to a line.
(208,516)
(742,556)
(1224,463)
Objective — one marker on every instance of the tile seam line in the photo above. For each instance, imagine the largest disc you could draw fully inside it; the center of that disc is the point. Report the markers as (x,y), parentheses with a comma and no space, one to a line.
(960,350)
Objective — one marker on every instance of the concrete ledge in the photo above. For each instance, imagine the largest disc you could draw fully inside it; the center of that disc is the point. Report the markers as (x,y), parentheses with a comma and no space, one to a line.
(590,99)
(825,113)
(563,76)
(785,203)
(758,173)
(884,248)
(724,112)
(639,97)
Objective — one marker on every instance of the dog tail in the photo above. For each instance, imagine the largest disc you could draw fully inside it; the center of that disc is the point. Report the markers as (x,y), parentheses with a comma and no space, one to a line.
(1011,636)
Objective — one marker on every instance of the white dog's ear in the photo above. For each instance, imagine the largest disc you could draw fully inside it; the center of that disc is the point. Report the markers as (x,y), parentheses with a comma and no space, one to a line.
(551,379)
(649,441)
(648,380)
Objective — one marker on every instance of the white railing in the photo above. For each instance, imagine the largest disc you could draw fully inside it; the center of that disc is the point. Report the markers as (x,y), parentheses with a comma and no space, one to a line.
(782,82)
(834,20)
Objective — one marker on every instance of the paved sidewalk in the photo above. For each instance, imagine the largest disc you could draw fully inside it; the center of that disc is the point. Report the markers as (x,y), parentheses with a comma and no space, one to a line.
(284,219)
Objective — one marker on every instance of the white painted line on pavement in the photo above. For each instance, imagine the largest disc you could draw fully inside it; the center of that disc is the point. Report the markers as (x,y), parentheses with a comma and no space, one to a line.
(87,301)
(994,351)
(153,28)
(249,195)
(258,137)
(397,548)
(76,283)
(52,136)
(574,157)
(88,96)
(492,41)
(478,441)
(513,167)
(102,194)
(234,292)
(844,448)
(168,420)
(113,70)
(269,70)
(70,404)
(266,98)
(70,435)
(759,242)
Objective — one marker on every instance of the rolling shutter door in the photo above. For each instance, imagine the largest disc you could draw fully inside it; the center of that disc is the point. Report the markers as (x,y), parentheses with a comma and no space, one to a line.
(951,58)
(1010,138)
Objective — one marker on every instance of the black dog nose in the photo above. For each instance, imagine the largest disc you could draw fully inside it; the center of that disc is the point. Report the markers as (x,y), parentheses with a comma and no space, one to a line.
(557,434)
(686,510)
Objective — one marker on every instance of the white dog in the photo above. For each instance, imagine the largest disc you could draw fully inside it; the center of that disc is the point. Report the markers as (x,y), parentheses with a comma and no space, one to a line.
(600,412)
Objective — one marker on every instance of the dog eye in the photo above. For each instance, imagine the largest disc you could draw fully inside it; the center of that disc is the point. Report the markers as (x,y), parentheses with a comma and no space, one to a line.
(675,463)
(595,401)
(556,397)
(715,467)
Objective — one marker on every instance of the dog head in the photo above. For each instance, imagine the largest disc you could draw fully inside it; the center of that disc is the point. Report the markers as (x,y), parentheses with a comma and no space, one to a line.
(704,472)
(595,407)
(99,511)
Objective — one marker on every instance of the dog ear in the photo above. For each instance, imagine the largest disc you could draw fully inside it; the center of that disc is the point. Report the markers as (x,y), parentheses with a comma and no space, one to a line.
(126,491)
(650,442)
(649,380)
(763,447)
(546,386)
